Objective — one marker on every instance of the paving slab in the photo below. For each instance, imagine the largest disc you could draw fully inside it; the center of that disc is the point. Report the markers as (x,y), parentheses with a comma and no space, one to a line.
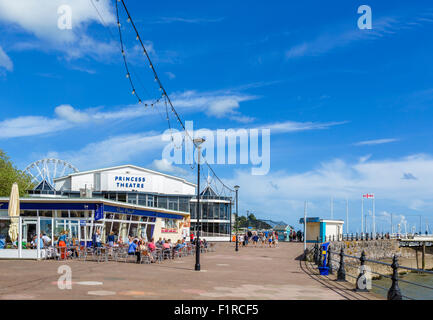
(251,273)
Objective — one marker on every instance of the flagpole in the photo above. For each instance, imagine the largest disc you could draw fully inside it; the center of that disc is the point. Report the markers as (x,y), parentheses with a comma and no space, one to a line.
(332,208)
(305,226)
(347,216)
(374,217)
(362,215)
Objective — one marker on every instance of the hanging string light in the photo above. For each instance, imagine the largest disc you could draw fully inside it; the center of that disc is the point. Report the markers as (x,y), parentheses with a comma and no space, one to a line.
(158,81)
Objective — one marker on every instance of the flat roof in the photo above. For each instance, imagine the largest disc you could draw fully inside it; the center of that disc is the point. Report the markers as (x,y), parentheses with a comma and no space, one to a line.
(78,201)
(125,166)
(317,219)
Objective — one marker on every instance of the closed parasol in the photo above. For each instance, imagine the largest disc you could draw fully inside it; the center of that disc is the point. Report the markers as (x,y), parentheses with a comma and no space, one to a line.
(14,212)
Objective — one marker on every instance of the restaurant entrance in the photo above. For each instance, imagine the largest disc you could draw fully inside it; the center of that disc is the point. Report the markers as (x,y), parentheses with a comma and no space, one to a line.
(29,230)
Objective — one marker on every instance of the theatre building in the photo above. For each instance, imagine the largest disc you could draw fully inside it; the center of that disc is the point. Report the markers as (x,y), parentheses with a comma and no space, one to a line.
(126,200)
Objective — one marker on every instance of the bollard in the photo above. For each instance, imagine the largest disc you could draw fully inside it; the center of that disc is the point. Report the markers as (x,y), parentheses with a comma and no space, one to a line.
(366,237)
(352,237)
(361,281)
(394,292)
(357,238)
(341,271)
(329,262)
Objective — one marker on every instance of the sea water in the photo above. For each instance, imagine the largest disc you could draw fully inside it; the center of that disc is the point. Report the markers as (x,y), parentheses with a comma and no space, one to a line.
(408,290)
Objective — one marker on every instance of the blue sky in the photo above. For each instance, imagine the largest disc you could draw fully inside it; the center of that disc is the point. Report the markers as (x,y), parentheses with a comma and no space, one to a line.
(349,109)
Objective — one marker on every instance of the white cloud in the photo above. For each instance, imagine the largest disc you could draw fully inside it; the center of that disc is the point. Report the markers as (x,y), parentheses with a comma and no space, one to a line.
(31,126)
(329,41)
(292,126)
(375,142)
(68,113)
(165,166)
(215,104)
(114,150)
(282,194)
(40,18)
(186,20)
(5,61)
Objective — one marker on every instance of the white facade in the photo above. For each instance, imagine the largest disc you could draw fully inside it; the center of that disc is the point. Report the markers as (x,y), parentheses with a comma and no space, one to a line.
(126,178)
(334,228)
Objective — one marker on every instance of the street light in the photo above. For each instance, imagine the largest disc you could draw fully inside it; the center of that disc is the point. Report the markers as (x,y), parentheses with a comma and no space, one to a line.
(198,142)
(237,245)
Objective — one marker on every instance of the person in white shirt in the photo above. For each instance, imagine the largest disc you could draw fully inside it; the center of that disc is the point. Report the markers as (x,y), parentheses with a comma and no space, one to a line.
(46,239)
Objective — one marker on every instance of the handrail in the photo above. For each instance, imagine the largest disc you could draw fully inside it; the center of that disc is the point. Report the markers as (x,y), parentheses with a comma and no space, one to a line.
(394,293)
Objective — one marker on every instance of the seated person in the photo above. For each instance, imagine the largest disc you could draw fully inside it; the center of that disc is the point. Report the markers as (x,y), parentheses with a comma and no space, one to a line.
(166,245)
(151,246)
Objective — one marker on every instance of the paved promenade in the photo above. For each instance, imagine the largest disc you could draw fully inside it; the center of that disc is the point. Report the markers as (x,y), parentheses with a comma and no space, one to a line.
(252,273)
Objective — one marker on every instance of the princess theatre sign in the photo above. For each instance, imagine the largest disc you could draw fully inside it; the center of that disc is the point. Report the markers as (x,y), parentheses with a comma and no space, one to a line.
(128,182)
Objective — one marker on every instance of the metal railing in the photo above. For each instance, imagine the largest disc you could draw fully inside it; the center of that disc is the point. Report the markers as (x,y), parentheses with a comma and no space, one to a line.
(368,237)
(393,293)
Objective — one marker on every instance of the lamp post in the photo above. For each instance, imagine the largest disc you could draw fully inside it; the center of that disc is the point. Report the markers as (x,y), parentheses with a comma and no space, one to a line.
(237,245)
(198,142)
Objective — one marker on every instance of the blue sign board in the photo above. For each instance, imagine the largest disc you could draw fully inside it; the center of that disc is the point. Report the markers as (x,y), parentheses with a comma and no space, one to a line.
(99,212)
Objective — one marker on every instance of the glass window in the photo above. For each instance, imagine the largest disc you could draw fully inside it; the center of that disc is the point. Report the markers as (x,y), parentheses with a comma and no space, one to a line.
(142,199)
(132,198)
(193,211)
(29,213)
(184,204)
(173,203)
(75,214)
(162,202)
(150,201)
(47,213)
(121,197)
(204,211)
(112,197)
(64,214)
(216,214)
(4,234)
(221,211)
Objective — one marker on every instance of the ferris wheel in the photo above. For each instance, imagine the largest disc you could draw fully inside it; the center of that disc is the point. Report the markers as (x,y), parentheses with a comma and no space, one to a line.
(49,169)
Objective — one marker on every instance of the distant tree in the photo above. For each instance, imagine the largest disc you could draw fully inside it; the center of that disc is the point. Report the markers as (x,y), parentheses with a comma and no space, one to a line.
(10,174)
(252,221)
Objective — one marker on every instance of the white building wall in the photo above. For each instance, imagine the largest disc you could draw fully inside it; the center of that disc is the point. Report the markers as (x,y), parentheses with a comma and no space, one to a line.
(115,179)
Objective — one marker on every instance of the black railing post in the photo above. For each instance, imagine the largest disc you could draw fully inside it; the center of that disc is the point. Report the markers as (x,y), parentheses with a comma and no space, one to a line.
(329,262)
(341,271)
(361,281)
(333,237)
(366,237)
(394,292)
(316,252)
(357,238)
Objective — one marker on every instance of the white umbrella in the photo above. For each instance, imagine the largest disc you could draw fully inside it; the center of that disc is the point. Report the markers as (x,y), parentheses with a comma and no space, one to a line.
(14,212)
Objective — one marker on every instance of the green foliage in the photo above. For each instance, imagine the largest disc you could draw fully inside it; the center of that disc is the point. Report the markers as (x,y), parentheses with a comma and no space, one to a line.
(10,174)
(252,221)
